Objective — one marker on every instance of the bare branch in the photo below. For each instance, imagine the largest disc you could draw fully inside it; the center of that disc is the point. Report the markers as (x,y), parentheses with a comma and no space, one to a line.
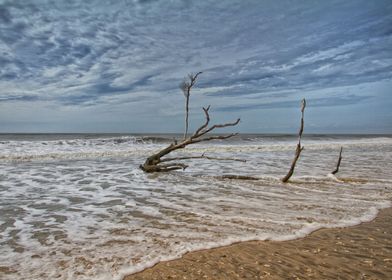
(299,148)
(202,157)
(162,167)
(154,163)
(186,87)
(303,105)
(228,159)
(218,137)
(338,163)
(218,126)
(205,124)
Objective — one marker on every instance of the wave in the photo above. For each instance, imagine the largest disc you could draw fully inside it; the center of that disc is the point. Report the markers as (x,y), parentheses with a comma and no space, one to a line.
(306,230)
(80,148)
(112,215)
(93,141)
(64,156)
(126,146)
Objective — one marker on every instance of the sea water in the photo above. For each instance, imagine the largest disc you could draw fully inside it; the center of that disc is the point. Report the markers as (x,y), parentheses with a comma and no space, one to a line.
(78,206)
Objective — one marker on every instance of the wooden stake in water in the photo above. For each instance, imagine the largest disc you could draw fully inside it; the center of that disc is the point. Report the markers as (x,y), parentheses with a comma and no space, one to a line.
(339,161)
(299,147)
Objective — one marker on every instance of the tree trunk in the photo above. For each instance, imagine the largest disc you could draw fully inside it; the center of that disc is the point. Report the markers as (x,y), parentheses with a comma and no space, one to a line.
(339,161)
(156,162)
(299,148)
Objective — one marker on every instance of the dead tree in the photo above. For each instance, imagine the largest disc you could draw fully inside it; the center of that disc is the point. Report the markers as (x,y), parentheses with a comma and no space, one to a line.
(338,163)
(186,87)
(156,162)
(299,147)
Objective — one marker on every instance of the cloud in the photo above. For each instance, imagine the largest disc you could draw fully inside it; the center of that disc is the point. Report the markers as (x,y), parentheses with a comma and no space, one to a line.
(313,102)
(19,98)
(92,53)
(5,16)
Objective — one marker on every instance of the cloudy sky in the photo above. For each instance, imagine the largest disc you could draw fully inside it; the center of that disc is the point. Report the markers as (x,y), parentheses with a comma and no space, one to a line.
(116,66)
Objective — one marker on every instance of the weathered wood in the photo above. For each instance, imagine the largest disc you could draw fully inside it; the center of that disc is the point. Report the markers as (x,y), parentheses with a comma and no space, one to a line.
(338,163)
(186,87)
(299,148)
(203,156)
(155,162)
(238,177)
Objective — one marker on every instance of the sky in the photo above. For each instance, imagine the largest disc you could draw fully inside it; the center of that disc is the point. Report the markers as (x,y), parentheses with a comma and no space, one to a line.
(115,66)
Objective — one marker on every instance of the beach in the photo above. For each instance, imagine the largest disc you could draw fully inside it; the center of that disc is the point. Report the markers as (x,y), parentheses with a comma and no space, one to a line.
(359,252)
(79,207)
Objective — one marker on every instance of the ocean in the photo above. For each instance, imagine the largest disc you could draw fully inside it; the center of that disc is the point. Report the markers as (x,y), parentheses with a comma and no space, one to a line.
(76,206)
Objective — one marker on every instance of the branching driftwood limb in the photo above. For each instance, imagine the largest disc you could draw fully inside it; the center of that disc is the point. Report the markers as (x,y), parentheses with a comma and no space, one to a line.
(186,87)
(202,156)
(338,163)
(299,147)
(156,162)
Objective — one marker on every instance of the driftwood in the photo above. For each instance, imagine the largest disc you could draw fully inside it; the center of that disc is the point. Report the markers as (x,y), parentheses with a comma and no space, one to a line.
(156,162)
(186,87)
(202,156)
(339,161)
(299,147)
(297,154)
(238,177)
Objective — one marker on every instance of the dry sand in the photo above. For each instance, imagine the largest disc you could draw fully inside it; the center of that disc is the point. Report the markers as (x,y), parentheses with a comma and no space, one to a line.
(360,252)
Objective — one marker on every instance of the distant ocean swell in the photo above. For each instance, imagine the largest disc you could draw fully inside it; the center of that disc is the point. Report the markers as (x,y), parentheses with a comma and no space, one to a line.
(127,146)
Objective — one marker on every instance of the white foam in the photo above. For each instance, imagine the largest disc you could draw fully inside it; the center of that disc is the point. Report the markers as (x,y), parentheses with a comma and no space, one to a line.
(100,217)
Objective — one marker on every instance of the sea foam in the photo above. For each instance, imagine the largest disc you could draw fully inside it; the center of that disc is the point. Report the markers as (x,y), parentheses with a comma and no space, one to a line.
(82,209)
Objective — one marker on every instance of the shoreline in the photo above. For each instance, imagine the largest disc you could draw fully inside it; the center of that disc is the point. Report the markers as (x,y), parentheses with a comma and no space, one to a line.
(363,251)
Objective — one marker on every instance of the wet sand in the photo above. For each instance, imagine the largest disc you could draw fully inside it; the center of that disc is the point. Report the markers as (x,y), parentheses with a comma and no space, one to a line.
(359,252)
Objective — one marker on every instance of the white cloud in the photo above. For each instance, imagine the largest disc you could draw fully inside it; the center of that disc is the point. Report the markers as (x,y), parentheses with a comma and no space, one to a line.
(115,55)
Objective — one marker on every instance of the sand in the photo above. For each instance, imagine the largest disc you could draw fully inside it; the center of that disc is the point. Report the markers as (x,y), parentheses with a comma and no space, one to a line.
(359,252)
